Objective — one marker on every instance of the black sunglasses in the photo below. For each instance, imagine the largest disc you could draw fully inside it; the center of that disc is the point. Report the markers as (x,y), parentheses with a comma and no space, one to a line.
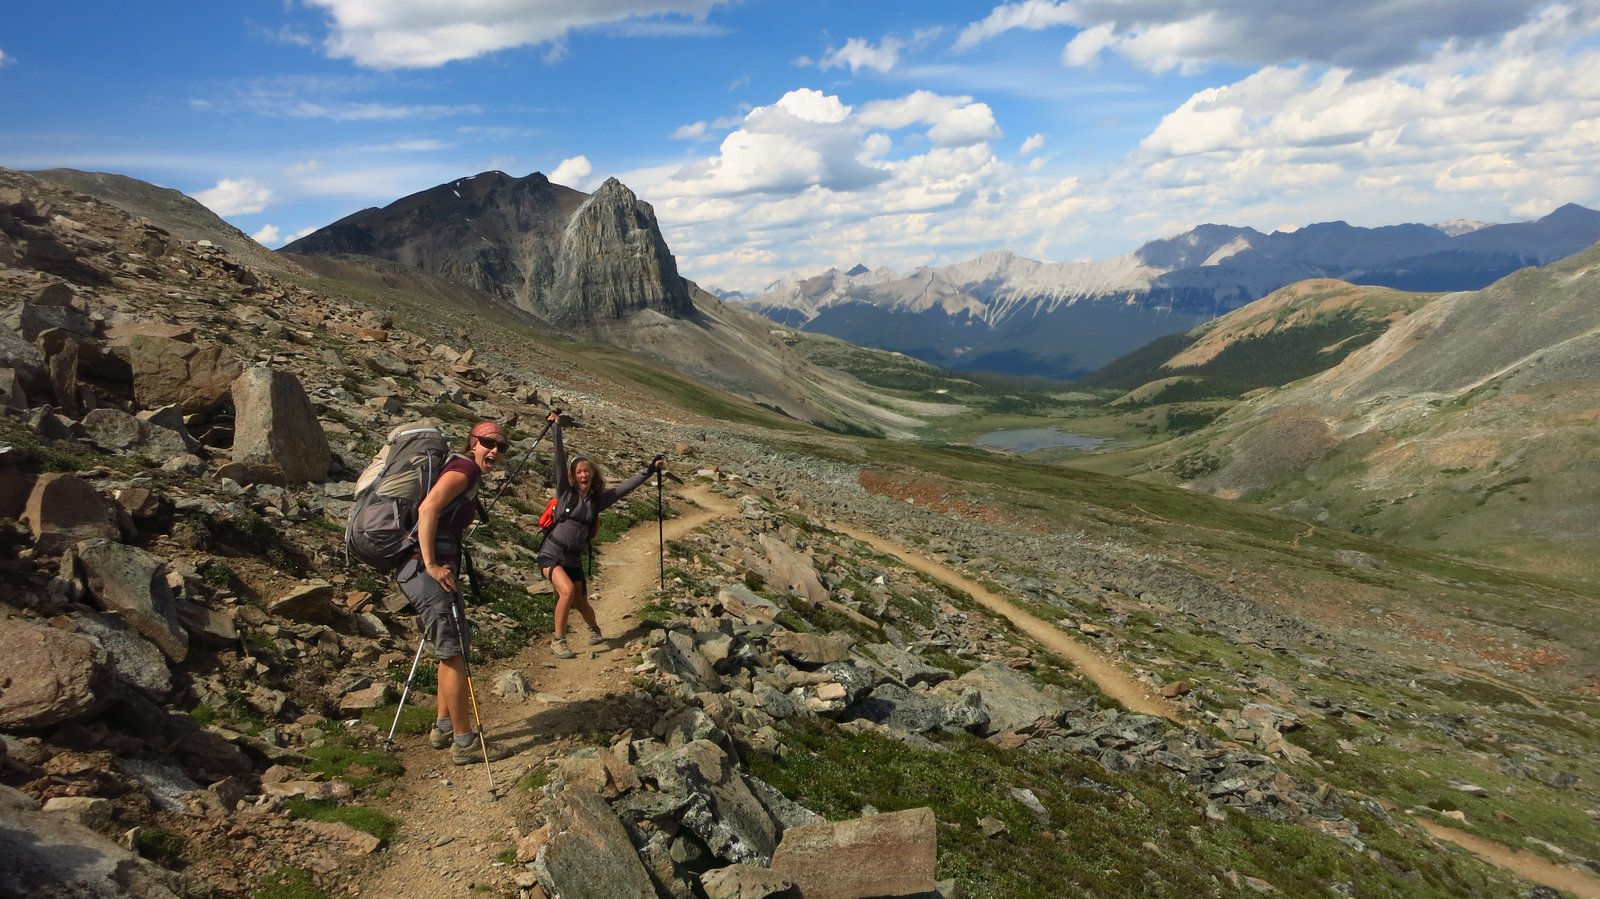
(491,443)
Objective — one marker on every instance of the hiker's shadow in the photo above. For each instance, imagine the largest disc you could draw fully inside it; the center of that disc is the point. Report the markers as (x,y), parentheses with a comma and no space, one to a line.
(601,717)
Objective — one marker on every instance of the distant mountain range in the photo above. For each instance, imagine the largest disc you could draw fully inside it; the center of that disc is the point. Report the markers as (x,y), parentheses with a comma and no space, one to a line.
(1004,313)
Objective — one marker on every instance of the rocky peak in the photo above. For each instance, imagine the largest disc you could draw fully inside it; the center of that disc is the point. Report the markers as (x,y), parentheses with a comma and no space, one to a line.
(614,261)
(542,247)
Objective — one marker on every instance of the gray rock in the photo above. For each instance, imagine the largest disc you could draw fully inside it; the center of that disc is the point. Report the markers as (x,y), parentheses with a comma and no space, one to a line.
(132,583)
(21,356)
(32,319)
(588,855)
(901,709)
(275,425)
(49,676)
(207,624)
(116,431)
(883,855)
(810,650)
(713,801)
(678,656)
(1011,700)
(12,392)
(784,810)
(135,661)
(166,784)
(907,666)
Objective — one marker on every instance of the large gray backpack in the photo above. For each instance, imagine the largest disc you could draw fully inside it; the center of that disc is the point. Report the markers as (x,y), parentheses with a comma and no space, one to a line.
(382,530)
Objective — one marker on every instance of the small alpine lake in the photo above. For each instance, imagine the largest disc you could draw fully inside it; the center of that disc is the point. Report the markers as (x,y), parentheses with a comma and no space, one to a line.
(1026,440)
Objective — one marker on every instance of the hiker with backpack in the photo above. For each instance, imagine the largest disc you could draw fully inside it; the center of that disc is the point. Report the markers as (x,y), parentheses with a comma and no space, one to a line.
(581,495)
(429,580)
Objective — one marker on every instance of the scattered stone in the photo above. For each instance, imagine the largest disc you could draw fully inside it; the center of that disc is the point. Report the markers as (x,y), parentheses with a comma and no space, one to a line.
(49,676)
(132,583)
(312,603)
(883,855)
(63,510)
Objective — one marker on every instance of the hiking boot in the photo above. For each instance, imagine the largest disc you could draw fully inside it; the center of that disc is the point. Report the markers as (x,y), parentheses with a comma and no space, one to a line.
(440,739)
(474,751)
(558,648)
(596,638)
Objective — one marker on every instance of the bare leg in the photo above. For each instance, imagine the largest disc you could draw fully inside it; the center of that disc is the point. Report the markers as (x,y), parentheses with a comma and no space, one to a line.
(564,596)
(580,600)
(453,703)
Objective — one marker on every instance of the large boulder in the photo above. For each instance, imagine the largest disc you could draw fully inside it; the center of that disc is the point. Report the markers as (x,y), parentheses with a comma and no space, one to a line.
(168,371)
(132,583)
(275,425)
(882,855)
(588,855)
(62,510)
(48,676)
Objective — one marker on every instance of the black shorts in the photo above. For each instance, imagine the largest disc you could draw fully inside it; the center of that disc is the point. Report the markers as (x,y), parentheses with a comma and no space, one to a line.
(574,571)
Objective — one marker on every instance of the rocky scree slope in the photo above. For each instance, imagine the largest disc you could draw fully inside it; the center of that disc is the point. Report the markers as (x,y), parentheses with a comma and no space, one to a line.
(190,652)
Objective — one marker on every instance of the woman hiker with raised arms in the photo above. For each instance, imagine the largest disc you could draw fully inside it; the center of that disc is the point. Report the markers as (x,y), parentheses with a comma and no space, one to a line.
(581,495)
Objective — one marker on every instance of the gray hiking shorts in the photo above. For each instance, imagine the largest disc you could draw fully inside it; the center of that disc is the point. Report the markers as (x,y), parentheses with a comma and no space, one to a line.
(433,611)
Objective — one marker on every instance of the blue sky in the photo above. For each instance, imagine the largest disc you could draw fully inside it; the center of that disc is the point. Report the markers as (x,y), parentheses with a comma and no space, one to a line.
(780,138)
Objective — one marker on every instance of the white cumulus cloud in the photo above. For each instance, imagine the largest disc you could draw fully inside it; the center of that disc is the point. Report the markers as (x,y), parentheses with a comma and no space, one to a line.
(1029,15)
(1364,36)
(1033,144)
(858,53)
(691,131)
(383,34)
(267,236)
(572,172)
(236,196)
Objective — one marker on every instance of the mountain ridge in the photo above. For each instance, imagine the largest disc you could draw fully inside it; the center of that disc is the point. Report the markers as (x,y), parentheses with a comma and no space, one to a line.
(998,311)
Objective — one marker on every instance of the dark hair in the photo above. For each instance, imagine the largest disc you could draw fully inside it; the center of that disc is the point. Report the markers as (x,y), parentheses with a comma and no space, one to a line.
(596,484)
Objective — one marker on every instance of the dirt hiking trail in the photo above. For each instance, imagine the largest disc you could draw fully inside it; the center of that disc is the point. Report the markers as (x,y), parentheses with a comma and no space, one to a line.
(452,827)
(1106,673)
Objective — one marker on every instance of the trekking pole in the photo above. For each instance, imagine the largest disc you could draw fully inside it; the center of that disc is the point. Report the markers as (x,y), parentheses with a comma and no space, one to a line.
(388,743)
(456,614)
(661,529)
(512,476)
